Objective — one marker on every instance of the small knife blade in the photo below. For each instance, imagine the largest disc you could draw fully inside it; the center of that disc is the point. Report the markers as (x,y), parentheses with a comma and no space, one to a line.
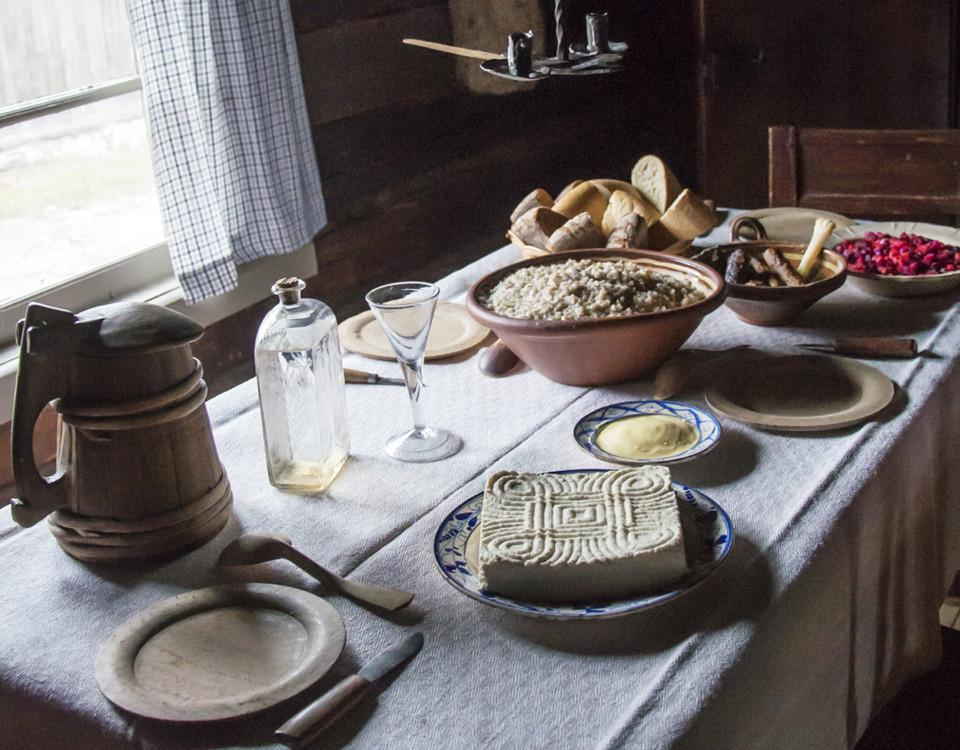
(305,727)
(392,657)
(369,378)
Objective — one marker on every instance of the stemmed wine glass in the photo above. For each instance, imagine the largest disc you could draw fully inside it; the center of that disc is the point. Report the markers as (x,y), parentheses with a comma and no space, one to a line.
(405,311)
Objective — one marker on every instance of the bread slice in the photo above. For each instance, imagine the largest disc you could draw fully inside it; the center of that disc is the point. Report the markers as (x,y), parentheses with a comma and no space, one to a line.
(687,217)
(584,197)
(536,225)
(630,233)
(538,197)
(578,233)
(655,182)
(622,205)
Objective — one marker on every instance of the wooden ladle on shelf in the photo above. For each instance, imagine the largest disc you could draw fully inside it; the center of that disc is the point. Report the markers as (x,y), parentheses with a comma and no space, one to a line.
(253,548)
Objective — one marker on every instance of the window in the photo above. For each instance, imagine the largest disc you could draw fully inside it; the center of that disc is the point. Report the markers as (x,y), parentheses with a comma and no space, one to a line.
(79,218)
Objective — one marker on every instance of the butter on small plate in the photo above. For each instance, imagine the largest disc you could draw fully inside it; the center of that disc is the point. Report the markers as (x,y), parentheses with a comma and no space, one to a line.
(647,432)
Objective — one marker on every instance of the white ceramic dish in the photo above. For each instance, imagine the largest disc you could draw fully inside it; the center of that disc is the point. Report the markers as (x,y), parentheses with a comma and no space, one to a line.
(708,534)
(901,286)
(708,429)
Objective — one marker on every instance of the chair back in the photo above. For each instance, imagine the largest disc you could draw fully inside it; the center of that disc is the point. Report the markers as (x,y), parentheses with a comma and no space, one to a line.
(866,172)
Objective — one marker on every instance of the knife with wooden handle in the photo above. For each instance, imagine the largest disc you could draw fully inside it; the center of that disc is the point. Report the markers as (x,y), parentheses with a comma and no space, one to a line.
(306,726)
(368,378)
(878,347)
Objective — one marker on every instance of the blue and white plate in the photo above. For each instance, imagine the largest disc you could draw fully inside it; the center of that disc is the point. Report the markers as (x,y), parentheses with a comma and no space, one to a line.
(707,531)
(706,425)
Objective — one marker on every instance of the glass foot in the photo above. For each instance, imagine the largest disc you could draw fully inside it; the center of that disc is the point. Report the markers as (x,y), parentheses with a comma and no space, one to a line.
(422,446)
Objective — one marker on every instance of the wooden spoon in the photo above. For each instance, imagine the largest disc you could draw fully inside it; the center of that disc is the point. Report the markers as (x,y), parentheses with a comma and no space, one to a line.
(476,54)
(250,549)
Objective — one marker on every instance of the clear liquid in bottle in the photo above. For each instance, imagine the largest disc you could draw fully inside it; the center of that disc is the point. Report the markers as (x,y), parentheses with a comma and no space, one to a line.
(302,403)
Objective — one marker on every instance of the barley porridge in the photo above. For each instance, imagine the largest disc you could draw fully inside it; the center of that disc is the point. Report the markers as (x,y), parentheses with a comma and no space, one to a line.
(587,289)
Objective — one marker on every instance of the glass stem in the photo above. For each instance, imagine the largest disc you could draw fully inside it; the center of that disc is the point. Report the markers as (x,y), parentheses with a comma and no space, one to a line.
(412,376)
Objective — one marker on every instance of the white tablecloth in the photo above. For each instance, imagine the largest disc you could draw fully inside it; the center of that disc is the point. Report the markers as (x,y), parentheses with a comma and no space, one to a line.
(845,545)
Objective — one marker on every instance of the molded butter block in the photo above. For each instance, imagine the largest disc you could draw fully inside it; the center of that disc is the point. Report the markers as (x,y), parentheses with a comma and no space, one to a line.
(576,537)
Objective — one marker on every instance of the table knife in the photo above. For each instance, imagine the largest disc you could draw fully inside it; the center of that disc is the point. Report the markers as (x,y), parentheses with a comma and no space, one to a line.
(872,346)
(369,378)
(307,725)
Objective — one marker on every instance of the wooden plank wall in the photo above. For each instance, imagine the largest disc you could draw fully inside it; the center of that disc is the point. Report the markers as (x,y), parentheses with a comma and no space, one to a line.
(420,174)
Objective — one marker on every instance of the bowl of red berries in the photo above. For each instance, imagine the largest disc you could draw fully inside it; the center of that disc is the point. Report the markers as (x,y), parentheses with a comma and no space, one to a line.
(900,258)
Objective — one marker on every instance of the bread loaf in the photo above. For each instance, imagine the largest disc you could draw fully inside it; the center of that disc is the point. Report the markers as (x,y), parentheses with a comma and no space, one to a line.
(579,232)
(687,217)
(630,233)
(584,197)
(620,206)
(536,226)
(614,185)
(538,197)
(568,188)
(655,182)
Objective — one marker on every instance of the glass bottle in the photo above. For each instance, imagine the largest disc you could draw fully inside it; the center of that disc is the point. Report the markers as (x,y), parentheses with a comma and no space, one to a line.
(300,379)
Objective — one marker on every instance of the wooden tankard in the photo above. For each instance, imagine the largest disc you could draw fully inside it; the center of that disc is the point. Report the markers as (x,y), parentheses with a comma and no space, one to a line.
(138,474)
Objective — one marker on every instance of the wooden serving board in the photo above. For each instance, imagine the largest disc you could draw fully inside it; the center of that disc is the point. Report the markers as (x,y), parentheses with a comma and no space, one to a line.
(220,652)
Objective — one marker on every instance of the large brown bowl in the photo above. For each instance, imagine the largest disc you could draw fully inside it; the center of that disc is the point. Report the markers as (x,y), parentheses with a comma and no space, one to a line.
(777,306)
(600,351)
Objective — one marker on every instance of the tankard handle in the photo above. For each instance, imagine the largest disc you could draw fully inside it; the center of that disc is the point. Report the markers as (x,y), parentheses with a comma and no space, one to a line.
(45,337)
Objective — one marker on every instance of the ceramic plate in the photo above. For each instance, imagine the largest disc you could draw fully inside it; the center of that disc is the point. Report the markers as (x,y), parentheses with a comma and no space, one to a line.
(798,393)
(707,426)
(453,332)
(707,531)
(793,224)
(902,286)
(220,652)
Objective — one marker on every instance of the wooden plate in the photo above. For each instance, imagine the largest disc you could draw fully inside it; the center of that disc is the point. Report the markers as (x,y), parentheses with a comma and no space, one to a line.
(220,652)
(902,286)
(453,332)
(798,393)
(794,224)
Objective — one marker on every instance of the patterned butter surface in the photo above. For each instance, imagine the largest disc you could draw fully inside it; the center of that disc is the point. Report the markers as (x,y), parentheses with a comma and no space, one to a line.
(564,537)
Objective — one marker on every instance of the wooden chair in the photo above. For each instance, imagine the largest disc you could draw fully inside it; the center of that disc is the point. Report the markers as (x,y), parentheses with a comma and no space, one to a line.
(866,172)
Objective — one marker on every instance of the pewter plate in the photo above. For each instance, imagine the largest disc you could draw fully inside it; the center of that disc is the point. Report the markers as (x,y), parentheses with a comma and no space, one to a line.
(708,535)
(219,652)
(798,393)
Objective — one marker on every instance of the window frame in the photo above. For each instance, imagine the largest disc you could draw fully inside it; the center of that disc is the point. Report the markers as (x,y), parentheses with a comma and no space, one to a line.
(99,285)
(146,275)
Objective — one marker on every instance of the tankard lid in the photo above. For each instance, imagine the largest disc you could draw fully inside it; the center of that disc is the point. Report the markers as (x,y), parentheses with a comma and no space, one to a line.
(138,326)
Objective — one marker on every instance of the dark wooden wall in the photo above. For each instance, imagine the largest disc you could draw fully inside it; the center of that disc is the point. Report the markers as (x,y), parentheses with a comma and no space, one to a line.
(420,173)
(816,63)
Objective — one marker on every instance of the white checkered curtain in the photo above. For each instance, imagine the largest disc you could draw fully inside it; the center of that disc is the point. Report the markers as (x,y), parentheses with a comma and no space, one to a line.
(235,166)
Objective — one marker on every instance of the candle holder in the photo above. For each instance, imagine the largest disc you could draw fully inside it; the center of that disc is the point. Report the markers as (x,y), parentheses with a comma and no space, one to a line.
(597,55)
